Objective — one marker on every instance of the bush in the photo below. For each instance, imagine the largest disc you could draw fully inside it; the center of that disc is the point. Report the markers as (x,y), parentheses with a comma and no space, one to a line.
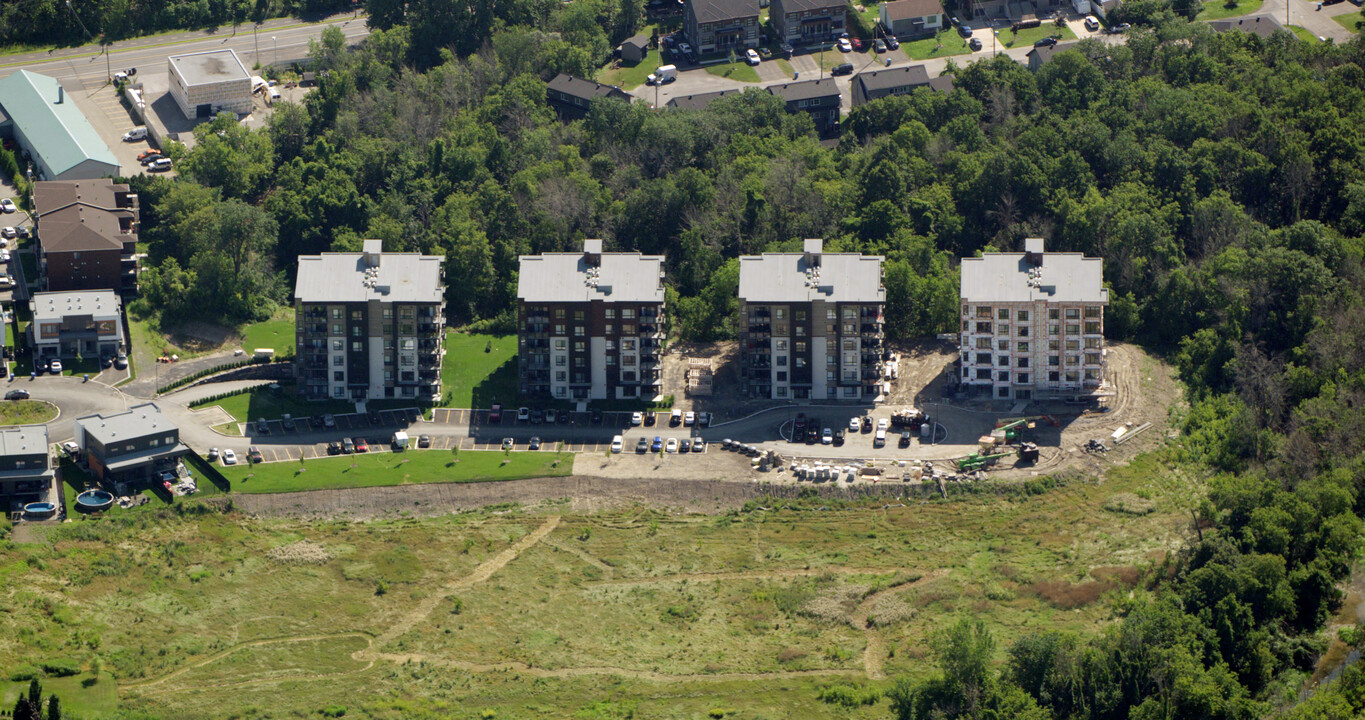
(333,711)
(25,672)
(849,696)
(61,667)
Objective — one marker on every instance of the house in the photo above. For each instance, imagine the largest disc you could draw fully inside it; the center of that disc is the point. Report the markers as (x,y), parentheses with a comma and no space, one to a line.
(634,49)
(1033,323)
(700,100)
(87,235)
(133,447)
(721,26)
(85,323)
(41,119)
(1262,26)
(590,324)
(1040,56)
(207,83)
(26,473)
(1102,8)
(810,325)
(369,325)
(801,22)
(820,98)
(912,18)
(869,86)
(571,97)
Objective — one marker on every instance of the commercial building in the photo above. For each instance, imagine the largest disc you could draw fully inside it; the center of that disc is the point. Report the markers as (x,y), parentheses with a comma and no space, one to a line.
(1033,323)
(87,235)
(131,447)
(720,26)
(37,114)
(869,86)
(912,18)
(25,468)
(819,98)
(590,324)
(207,83)
(801,22)
(811,325)
(370,325)
(572,97)
(86,324)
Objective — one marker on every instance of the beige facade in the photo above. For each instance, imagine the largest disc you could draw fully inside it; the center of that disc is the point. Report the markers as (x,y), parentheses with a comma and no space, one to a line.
(205,84)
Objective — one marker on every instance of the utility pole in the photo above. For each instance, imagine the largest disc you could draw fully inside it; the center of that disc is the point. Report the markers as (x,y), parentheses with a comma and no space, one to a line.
(276,42)
(256,35)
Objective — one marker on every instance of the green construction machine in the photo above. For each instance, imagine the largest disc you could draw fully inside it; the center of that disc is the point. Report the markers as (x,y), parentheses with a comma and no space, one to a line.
(976,461)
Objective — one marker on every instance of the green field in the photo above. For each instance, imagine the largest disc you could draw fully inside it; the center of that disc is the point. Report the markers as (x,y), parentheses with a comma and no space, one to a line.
(26,412)
(1023,38)
(479,370)
(737,70)
(406,468)
(86,694)
(200,614)
(944,44)
(277,334)
(1218,9)
(1351,21)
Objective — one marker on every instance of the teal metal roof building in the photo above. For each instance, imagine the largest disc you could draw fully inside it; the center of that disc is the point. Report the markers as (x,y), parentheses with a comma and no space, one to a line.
(47,123)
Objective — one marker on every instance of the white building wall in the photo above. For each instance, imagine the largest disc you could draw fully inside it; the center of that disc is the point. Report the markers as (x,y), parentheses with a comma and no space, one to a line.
(782,389)
(597,353)
(559,353)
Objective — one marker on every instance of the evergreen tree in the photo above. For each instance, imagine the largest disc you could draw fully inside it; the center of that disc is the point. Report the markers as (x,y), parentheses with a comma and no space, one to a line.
(54,708)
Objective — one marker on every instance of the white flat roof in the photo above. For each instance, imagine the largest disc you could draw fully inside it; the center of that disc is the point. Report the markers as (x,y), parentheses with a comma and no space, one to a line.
(213,66)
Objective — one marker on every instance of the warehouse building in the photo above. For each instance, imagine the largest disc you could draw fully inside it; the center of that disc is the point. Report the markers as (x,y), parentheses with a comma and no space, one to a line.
(207,83)
(36,112)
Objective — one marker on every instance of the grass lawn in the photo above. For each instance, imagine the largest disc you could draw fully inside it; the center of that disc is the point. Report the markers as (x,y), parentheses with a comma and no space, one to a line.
(944,44)
(277,334)
(1218,9)
(85,694)
(737,70)
(26,412)
(479,370)
(271,404)
(1029,36)
(30,264)
(786,66)
(1351,21)
(629,77)
(1304,35)
(148,339)
(406,468)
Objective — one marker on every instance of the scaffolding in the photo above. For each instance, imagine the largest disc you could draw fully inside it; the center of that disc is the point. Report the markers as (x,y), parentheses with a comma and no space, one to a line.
(699,374)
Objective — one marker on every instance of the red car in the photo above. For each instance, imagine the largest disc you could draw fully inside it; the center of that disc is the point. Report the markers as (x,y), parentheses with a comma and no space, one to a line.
(858,45)
(495,415)
(360,445)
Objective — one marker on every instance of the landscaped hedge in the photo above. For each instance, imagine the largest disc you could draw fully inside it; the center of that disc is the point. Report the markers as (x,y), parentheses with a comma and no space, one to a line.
(217,369)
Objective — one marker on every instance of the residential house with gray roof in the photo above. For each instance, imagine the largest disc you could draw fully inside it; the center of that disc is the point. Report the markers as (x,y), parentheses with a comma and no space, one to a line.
(572,97)
(1033,323)
(869,86)
(87,235)
(133,447)
(819,98)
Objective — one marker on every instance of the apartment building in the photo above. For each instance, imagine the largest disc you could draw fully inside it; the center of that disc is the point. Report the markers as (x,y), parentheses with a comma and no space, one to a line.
(133,446)
(811,325)
(1033,323)
(370,325)
(590,324)
(802,22)
(87,234)
(719,26)
(86,324)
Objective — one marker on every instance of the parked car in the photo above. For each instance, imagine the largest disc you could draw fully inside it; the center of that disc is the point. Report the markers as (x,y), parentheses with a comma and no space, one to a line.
(1119,29)
(508,443)
(787,50)
(523,414)
(845,45)
(361,445)
(690,419)
(1092,23)
(650,418)
(534,444)
(751,56)
(495,414)
(23,232)
(839,437)
(827,437)
(347,446)
(859,45)
(964,30)
(1045,42)
(262,427)
(121,360)
(334,448)
(550,416)
(893,42)
(675,418)
(537,417)
(137,133)
(7,206)
(905,439)
(672,446)
(229,457)
(253,454)
(423,441)
(842,69)
(8,233)
(159,165)
(879,46)
(685,446)
(16,395)
(642,446)
(974,44)
(698,445)
(703,419)
(287,422)
(636,419)
(883,424)
(657,445)
(855,424)
(617,443)
(55,366)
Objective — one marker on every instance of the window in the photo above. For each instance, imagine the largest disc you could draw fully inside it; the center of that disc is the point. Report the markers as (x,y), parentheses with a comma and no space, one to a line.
(782,361)
(781,345)
(627,313)
(405,313)
(1092,311)
(1073,345)
(830,314)
(984,327)
(1023,347)
(782,376)
(1023,331)
(336,313)
(1053,361)
(610,313)
(356,315)
(355,331)
(559,314)
(356,347)
(627,329)
(578,316)
(338,361)
(1002,345)
(983,343)
(800,330)
(1021,378)
(1003,314)
(561,391)
(578,331)
(406,360)
(153,442)
(579,362)
(1003,376)
(628,360)
(1073,329)
(853,344)
(611,346)
(1002,360)
(387,313)
(782,392)
(388,328)
(559,329)
(579,346)
(561,344)
(983,374)
(1054,376)
(1022,316)
(336,329)
(1021,362)
(339,392)
(830,376)
(831,328)
(388,375)
(1054,329)
(1054,314)
(1092,343)
(1073,314)
(561,360)
(1092,328)
(611,359)
(1053,345)
(339,376)
(983,312)
(1092,358)
(780,313)
(628,344)
(852,358)
(800,346)
(983,358)
(338,345)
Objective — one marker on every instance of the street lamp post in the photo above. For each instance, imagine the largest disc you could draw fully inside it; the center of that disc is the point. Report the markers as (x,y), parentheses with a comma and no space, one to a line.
(256,35)
(994,34)
(276,43)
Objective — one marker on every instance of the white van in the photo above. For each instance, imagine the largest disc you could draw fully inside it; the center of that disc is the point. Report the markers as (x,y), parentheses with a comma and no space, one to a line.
(664,74)
(879,440)
(137,133)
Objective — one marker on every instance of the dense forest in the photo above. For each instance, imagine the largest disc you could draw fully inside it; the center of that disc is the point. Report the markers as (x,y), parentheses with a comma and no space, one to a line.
(1221,177)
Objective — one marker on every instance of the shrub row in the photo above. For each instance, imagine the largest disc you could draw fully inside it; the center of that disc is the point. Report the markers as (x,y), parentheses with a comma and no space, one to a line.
(215,398)
(217,369)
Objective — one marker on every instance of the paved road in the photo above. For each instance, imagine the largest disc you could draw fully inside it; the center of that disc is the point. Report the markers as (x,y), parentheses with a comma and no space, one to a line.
(278,41)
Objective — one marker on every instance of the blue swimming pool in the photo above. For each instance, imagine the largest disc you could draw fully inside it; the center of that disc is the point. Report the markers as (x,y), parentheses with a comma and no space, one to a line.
(94,500)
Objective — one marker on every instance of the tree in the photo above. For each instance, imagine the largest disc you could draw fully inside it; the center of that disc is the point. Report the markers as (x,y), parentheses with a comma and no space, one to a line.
(54,708)
(385,14)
